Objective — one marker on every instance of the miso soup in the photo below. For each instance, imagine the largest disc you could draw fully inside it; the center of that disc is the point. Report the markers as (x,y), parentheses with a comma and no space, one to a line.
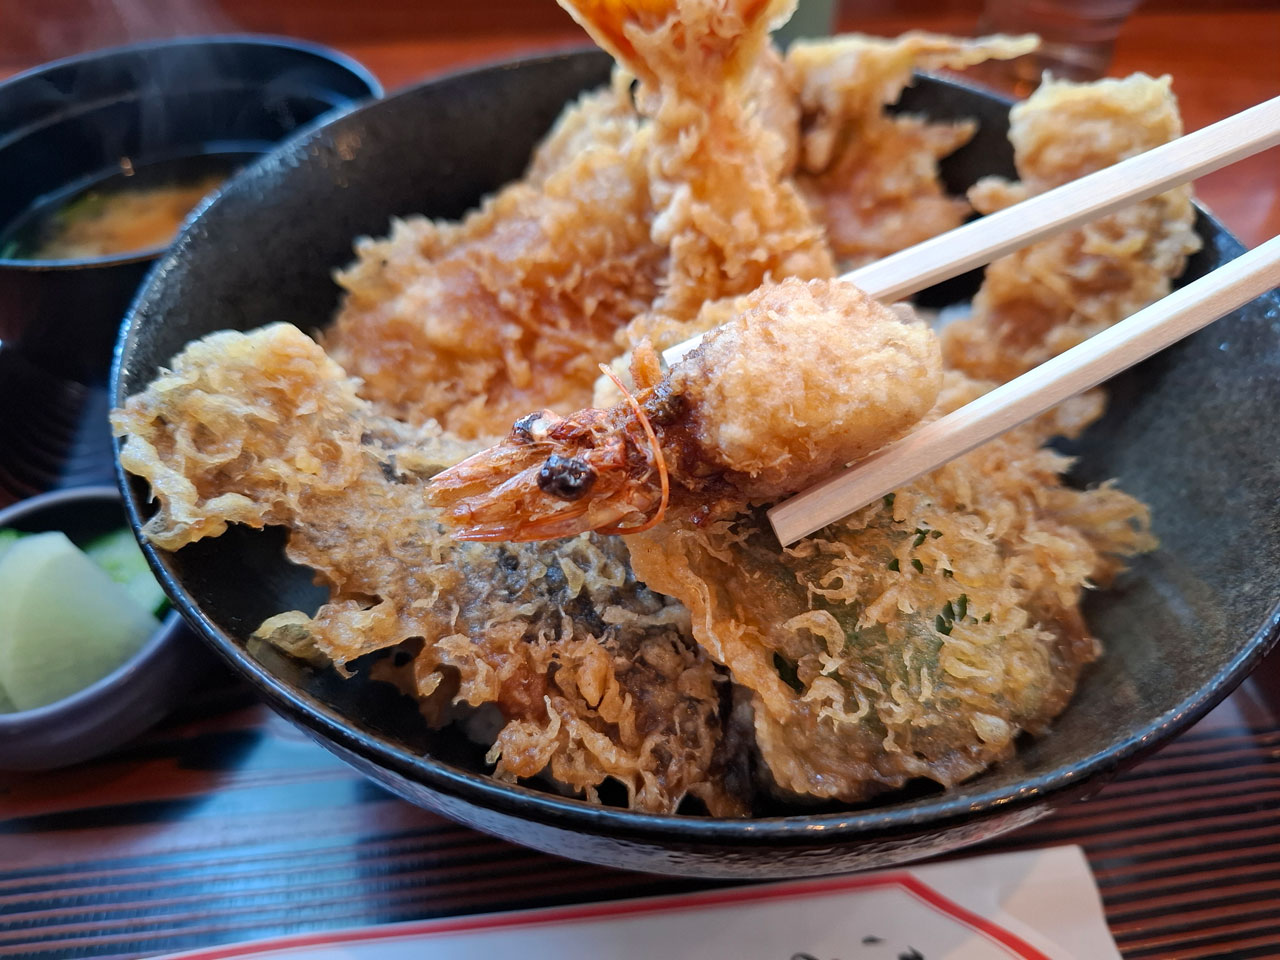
(130,211)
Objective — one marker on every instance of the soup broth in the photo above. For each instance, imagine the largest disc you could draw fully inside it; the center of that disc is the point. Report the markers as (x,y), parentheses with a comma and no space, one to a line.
(130,211)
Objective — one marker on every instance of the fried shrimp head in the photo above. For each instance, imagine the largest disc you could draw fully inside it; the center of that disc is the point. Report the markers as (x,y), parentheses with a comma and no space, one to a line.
(804,378)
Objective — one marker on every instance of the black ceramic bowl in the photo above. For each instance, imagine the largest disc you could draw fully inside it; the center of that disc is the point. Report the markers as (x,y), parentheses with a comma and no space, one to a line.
(68,124)
(1193,432)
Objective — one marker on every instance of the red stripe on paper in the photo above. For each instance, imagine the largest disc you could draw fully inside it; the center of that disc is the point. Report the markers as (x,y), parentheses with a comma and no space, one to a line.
(615,909)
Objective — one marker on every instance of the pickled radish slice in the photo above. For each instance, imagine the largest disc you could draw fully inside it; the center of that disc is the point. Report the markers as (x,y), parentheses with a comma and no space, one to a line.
(120,556)
(64,623)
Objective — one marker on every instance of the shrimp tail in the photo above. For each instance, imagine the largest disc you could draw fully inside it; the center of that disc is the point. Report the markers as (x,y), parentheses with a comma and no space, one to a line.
(657,40)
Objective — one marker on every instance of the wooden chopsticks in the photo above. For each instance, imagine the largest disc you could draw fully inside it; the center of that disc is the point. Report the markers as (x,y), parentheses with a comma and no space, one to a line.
(1085,365)
(977,243)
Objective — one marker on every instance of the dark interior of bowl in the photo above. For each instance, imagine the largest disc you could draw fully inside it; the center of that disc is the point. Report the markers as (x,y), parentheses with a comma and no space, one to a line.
(83,515)
(1192,432)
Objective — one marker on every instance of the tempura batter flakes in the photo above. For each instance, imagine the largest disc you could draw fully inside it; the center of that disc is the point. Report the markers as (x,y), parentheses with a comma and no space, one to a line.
(1048,297)
(243,429)
(871,177)
(919,636)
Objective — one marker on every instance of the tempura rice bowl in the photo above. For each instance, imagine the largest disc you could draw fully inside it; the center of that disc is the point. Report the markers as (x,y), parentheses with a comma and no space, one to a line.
(1187,431)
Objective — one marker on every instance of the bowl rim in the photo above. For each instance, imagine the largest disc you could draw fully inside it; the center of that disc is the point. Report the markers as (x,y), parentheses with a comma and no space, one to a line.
(168,627)
(319,50)
(330,55)
(799,830)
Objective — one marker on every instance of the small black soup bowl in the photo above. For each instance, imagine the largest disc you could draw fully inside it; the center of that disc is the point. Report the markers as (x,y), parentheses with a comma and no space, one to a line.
(208,102)
(129,699)
(1193,432)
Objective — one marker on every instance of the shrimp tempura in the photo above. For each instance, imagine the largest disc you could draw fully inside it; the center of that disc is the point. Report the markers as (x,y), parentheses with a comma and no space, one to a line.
(804,378)
(724,127)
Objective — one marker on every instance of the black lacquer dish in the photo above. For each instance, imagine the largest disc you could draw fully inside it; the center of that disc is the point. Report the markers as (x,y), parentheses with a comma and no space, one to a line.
(1192,432)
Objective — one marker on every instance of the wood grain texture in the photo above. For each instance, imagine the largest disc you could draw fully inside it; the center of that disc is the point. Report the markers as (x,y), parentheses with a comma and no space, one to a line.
(227,823)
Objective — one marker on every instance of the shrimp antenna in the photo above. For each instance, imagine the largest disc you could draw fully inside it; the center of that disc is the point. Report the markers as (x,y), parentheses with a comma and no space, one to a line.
(658,458)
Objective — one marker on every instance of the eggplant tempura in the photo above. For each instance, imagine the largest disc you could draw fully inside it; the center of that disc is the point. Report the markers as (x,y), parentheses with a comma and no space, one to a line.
(713,183)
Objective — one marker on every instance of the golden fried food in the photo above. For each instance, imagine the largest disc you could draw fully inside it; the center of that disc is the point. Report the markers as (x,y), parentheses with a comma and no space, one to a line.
(917,637)
(594,676)
(1046,298)
(724,203)
(872,177)
(185,434)
(746,416)
(471,324)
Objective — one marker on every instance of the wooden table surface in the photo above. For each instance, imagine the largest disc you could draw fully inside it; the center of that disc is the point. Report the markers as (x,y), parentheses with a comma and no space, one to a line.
(226,823)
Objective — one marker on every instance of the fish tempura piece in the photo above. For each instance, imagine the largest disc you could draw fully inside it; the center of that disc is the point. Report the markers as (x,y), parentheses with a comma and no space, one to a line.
(245,428)
(582,673)
(1050,296)
(919,636)
(470,323)
(723,123)
(804,378)
(588,674)
(872,177)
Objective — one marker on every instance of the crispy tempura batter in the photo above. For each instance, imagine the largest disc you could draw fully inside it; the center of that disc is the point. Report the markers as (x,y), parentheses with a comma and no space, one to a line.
(473,323)
(746,416)
(300,406)
(594,675)
(1046,298)
(872,178)
(723,140)
(915,638)
(918,636)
